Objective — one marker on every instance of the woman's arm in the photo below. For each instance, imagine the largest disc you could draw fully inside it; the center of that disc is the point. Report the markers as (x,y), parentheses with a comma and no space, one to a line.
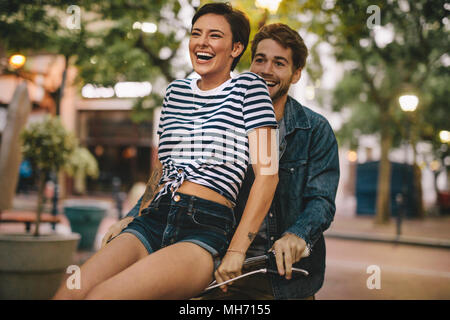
(264,159)
(152,186)
(142,203)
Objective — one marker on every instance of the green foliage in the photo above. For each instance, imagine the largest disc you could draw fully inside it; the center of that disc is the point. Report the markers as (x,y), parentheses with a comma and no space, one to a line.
(106,49)
(142,109)
(47,144)
(377,73)
(82,161)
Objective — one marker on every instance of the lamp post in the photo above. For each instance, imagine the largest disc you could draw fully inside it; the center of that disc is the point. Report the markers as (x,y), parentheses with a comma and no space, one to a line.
(408,103)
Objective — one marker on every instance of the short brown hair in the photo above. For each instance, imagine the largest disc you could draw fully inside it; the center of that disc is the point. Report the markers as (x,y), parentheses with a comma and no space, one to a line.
(238,21)
(286,37)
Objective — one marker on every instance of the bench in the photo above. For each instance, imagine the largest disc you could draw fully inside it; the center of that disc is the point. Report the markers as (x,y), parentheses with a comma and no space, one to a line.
(27,217)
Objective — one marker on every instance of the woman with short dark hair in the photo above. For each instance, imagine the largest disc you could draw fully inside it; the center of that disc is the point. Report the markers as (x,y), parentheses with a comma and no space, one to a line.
(210,130)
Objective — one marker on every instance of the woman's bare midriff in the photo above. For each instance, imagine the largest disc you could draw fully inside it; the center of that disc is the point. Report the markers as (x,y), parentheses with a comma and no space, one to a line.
(195,189)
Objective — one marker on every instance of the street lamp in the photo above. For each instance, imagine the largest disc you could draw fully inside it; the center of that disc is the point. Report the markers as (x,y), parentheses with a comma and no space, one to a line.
(408,103)
(17,60)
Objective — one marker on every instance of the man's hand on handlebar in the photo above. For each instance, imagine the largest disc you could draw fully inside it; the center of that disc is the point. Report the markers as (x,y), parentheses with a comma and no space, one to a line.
(288,250)
(115,229)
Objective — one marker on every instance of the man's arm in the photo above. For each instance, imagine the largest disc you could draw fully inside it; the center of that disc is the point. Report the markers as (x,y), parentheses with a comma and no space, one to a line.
(321,186)
(319,195)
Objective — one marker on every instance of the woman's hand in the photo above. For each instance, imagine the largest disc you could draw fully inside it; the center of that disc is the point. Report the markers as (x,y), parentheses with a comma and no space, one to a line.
(115,229)
(230,267)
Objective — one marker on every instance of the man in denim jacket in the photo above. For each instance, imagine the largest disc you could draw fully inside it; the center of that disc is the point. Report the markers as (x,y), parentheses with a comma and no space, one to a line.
(304,202)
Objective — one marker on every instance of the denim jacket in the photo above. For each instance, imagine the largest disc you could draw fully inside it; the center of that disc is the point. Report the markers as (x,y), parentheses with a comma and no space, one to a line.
(304,200)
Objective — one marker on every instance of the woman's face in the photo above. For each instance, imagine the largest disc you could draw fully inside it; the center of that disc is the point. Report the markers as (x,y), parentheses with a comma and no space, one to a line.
(211,47)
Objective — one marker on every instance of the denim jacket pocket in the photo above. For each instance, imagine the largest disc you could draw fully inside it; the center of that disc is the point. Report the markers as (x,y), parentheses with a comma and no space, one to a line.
(291,174)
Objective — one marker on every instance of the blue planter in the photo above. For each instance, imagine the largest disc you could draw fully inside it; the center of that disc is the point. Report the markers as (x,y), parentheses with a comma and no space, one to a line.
(85,220)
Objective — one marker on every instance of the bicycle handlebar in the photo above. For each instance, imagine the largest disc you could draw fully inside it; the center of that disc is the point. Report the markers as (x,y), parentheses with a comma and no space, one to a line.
(250,262)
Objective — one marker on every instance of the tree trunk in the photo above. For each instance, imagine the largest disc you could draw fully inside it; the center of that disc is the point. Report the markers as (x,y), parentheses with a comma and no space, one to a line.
(40,204)
(383,204)
(417,175)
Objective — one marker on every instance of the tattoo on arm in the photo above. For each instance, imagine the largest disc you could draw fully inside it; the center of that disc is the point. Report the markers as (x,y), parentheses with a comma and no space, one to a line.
(151,187)
(251,236)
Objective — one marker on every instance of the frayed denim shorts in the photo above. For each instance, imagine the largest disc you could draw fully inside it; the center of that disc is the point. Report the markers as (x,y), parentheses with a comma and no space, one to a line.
(185,218)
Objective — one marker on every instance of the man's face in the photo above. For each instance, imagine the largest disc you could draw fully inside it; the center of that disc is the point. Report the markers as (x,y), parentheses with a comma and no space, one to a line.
(274,63)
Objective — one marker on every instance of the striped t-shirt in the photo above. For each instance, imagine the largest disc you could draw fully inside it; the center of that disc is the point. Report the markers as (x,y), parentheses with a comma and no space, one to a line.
(203,134)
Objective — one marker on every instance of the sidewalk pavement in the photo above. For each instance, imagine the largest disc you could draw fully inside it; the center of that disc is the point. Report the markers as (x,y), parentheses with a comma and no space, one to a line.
(430,231)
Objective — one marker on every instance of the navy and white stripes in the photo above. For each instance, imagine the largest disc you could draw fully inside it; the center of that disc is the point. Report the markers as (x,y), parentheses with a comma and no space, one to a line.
(203,134)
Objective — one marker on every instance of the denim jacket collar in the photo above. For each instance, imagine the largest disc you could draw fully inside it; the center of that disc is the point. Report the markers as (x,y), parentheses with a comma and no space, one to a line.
(294,116)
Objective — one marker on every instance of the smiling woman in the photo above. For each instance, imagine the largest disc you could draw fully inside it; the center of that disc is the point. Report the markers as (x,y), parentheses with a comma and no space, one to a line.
(214,28)
(183,228)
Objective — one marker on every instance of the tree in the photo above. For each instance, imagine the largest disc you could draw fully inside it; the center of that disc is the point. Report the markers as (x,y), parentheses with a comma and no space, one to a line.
(401,54)
(48,146)
(106,40)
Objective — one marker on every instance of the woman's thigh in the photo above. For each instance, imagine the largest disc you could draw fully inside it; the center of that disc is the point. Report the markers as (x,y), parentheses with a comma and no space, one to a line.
(116,256)
(178,271)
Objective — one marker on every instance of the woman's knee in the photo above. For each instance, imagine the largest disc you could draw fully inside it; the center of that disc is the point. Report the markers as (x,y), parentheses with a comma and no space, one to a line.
(64,293)
(96,293)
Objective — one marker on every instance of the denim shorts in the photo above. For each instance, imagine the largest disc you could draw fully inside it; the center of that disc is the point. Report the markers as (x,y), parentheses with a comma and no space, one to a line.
(185,218)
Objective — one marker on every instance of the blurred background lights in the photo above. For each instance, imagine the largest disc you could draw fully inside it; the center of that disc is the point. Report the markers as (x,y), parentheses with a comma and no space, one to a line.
(444,135)
(149,27)
(120,90)
(408,103)
(17,61)
(91,91)
(310,92)
(132,89)
(435,165)
(129,153)
(99,150)
(271,5)
(384,35)
(165,53)
(352,156)
(137,25)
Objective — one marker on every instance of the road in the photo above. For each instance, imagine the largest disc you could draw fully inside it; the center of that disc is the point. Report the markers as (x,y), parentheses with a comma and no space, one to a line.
(395,271)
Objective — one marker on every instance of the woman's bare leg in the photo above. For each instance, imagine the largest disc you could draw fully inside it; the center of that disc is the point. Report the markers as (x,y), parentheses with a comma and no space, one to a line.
(179,271)
(116,256)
